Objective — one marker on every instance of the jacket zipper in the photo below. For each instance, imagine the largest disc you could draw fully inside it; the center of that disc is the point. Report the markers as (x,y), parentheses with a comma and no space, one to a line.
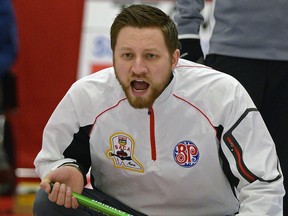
(152,134)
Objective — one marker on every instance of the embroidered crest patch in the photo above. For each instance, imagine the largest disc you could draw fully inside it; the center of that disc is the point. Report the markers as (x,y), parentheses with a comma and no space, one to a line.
(186,154)
(122,152)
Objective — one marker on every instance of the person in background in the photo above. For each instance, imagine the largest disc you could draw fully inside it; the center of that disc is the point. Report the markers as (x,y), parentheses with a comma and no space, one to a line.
(8,55)
(161,135)
(248,41)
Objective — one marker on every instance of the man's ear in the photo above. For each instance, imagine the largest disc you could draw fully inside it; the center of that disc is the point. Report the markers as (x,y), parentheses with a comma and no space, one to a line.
(175,58)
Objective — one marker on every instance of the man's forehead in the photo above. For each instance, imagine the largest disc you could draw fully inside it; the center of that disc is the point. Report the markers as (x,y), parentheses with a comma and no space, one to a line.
(133,34)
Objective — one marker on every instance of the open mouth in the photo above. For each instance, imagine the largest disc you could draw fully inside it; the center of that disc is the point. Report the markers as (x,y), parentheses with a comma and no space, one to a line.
(139,86)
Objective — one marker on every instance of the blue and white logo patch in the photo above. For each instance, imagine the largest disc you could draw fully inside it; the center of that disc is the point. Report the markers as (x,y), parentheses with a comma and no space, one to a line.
(186,154)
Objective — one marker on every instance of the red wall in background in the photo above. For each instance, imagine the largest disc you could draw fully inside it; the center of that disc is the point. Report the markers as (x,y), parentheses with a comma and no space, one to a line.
(49,39)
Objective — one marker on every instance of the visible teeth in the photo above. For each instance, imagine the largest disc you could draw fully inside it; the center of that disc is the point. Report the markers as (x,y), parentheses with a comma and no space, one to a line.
(139,85)
(138,90)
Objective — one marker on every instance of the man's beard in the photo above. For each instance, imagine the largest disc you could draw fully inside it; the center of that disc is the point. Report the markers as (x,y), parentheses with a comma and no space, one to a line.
(140,102)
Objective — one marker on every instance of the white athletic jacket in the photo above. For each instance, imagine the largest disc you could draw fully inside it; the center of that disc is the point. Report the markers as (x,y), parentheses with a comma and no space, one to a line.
(175,158)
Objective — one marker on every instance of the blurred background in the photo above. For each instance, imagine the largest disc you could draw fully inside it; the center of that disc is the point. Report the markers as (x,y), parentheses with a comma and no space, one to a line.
(58,42)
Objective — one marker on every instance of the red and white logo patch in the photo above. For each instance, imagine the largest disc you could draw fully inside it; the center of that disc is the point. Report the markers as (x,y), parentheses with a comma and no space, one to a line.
(186,154)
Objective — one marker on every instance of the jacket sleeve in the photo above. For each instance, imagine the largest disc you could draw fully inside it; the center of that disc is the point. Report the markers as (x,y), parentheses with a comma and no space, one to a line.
(57,136)
(8,37)
(252,157)
(188,19)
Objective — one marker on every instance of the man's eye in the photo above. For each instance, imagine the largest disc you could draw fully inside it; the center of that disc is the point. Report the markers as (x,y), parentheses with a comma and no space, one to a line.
(127,55)
(151,56)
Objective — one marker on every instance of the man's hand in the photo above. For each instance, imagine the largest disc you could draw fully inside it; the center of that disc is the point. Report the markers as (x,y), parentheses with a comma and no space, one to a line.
(66,179)
(191,50)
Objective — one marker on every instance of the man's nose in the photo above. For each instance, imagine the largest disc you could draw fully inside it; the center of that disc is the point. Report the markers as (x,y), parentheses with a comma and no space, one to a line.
(139,66)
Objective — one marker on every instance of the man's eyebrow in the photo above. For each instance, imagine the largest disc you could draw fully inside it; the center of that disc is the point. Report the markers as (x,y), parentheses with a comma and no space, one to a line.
(149,49)
(125,48)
